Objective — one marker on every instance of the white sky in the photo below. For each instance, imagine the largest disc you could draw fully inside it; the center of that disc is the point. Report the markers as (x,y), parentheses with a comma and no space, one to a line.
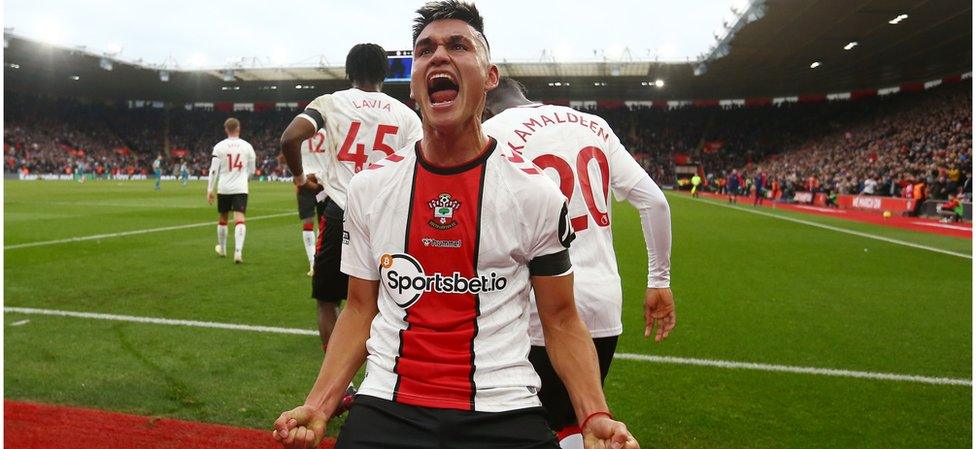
(213,33)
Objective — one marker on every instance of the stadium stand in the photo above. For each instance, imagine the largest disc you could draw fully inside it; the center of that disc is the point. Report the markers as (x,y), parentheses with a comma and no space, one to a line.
(52,136)
(834,146)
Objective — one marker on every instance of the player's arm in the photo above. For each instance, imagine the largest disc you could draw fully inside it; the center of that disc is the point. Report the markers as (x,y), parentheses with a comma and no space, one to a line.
(252,163)
(632,183)
(655,215)
(568,342)
(304,426)
(214,173)
(573,356)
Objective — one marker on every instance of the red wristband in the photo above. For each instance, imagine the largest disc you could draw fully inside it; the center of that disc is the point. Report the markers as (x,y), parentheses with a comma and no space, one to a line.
(587,420)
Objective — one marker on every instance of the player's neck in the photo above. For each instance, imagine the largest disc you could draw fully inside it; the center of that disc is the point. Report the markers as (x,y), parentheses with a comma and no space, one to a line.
(450,147)
(368,87)
(511,102)
(516,102)
(234,136)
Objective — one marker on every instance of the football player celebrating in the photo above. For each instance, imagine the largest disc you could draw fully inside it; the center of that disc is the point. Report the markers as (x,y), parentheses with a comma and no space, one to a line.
(588,161)
(445,238)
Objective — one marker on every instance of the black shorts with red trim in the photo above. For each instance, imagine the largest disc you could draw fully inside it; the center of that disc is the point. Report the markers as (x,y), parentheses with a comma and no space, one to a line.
(553,394)
(236,202)
(308,206)
(375,423)
(328,283)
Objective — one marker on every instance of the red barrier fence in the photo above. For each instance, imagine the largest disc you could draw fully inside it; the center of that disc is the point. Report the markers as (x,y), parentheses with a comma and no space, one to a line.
(876,203)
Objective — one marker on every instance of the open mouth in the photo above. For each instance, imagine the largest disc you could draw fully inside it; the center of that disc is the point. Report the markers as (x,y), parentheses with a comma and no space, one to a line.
(442,88)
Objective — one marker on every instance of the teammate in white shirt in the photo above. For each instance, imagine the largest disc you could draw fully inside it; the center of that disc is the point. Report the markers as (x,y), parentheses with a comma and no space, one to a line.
(232,165)
(584,157)
(443,240)
(359,126)
(310,209)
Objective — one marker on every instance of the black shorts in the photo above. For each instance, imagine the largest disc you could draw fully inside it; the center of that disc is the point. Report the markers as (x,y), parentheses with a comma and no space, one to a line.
(378,423)
(328,283)
(553,394)
(308,206)
(233,202)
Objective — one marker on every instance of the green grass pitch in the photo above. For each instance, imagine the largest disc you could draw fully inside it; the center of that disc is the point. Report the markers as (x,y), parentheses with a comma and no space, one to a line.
(748,288)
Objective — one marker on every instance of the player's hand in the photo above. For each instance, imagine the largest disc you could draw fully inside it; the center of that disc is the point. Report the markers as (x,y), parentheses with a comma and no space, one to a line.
(659,310)
(210,198)
(302,427)
(602,432)
(312,184)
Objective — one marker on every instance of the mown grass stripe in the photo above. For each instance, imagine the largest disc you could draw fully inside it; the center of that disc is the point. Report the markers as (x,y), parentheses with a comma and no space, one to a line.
(725,364)
(832,228)
(135,232)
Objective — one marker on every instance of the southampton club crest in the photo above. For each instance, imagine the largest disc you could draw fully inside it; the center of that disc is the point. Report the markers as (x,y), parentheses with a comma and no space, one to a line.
(443,207)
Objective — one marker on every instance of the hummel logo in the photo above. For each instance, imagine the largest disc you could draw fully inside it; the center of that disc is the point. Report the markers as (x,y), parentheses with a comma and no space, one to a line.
(441,243)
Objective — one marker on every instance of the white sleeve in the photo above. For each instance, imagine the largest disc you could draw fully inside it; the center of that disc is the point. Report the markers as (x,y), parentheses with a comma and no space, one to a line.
(315,111)
(551,233)
(655,216)
(252,163)
(416,131)
(356,253)
(214,171)
(625,172)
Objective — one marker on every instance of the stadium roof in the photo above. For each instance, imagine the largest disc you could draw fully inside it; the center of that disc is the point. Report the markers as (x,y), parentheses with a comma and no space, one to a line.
(771,56)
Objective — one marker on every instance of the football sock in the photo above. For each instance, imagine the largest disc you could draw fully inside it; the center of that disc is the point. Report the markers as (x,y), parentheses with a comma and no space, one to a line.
(308,236)
(222,235)
(239,232)
(570,437)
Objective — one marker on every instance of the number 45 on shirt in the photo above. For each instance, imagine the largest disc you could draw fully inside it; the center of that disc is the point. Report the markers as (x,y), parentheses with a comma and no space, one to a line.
(359,156)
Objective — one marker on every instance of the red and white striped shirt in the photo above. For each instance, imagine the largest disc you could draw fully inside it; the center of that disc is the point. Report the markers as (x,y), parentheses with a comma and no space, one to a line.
(453,249)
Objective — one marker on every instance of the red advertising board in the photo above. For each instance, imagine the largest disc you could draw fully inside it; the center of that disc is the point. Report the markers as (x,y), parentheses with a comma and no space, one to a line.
(803,197)
(875,203)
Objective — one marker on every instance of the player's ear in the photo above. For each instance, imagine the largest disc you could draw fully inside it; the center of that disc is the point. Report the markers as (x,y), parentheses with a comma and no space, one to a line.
(491,82)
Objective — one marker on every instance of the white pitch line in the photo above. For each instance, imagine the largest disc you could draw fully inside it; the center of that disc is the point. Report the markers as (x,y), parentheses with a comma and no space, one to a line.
(726,364)
(835,228)
(136,232)
(945,226)
(166,321)
(794,369)
(119,205)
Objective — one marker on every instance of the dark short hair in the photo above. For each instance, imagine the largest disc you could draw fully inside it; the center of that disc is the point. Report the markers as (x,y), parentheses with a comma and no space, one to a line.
(512,84)
(449,9)
(367,64)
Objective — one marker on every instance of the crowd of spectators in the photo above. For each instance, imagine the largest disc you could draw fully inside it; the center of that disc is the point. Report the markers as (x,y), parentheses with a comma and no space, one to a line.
(61,136)
(875,146)
(881,146)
